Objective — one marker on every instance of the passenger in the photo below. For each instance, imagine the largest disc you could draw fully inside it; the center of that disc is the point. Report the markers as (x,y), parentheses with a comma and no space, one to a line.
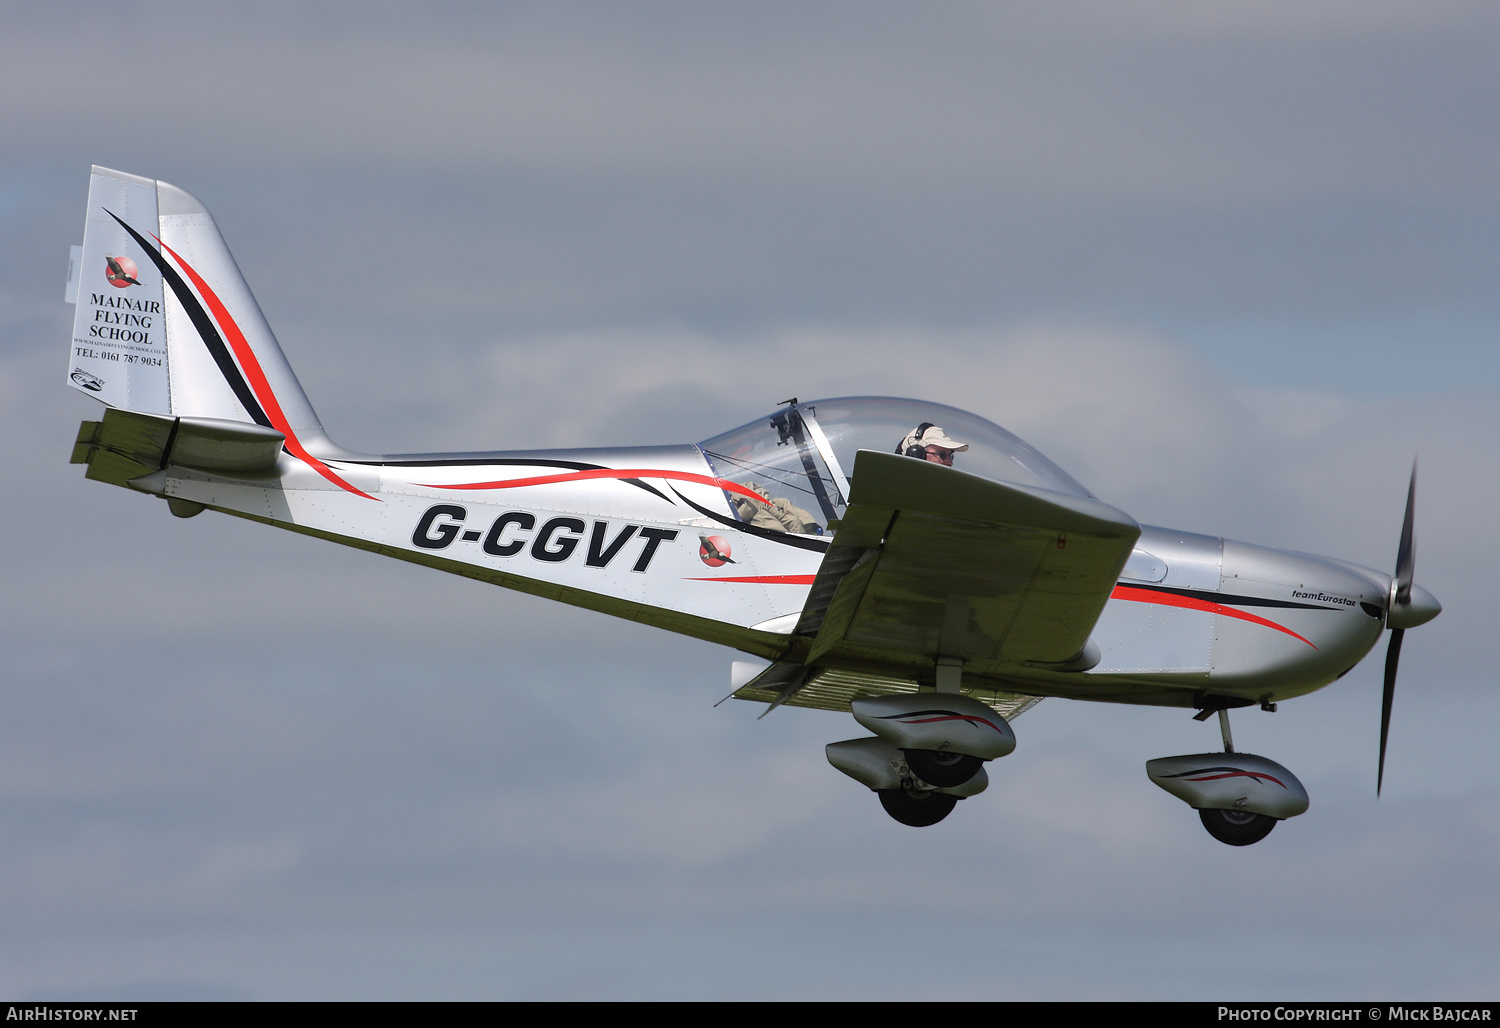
(929,442)
(779,515)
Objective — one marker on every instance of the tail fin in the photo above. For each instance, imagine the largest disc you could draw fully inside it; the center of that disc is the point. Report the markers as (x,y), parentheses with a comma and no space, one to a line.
(165,323)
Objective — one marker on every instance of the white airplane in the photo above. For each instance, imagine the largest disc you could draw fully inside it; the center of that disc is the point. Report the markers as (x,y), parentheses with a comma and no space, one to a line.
(907,562)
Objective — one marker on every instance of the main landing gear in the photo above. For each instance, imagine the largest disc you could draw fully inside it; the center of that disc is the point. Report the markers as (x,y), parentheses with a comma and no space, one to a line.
(1239,797)
(917,807)
(941,768)
(906,796)
(928,751)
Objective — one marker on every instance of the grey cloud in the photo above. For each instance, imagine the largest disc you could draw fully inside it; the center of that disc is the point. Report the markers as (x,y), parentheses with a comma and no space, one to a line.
(1159,103)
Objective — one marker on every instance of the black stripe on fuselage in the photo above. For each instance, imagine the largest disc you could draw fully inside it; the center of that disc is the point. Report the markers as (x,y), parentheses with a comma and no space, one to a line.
(1229,600)
(509,462)
(207,331)
(801,542)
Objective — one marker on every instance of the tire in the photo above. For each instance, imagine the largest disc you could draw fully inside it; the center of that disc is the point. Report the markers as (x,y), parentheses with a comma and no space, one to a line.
(919,810)
(942,769)
(1237,827)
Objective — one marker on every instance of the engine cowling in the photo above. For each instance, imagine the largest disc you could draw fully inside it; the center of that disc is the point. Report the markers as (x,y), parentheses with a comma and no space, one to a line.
(944,722)
(1230,781)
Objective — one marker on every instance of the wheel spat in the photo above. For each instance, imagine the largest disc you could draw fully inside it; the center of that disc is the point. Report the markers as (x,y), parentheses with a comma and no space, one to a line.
(942,769)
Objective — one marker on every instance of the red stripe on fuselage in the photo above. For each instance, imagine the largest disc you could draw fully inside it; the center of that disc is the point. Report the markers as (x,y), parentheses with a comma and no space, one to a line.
(255,376)
(761,579)
(1137,595)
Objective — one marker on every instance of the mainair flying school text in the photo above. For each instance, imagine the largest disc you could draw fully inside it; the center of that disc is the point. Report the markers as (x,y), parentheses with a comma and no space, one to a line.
(124,319)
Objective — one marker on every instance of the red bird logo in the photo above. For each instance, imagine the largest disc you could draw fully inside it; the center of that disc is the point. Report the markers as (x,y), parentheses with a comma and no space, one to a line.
(121,272)
(714,550)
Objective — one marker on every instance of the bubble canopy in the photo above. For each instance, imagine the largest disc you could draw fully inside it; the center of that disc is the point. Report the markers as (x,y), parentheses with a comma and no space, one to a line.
(803,453)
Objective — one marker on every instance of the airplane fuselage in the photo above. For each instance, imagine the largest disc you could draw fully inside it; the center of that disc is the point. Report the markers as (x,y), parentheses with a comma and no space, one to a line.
(623,530)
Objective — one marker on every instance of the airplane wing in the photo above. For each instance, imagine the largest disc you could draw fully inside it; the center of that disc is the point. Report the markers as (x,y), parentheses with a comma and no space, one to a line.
(932,562)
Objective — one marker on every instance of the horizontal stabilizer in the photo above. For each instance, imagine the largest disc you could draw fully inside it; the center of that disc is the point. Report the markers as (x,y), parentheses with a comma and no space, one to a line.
(226,447)
(128,444)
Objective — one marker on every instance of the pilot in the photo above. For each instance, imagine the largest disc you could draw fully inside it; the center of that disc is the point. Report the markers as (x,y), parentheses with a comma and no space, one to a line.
(779,514)
(929,442)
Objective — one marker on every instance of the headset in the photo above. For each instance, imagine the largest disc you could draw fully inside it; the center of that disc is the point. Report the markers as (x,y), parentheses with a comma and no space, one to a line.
(917,449)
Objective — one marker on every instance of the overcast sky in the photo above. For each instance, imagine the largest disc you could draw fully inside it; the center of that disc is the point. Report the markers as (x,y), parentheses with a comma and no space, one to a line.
(1231,265)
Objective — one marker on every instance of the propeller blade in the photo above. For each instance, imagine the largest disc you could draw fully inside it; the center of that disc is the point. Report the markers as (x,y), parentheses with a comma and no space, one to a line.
(1392,658)
(1407,606)
(1406,555)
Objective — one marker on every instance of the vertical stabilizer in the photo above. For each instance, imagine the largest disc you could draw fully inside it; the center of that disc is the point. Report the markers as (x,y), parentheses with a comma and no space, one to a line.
(165,321)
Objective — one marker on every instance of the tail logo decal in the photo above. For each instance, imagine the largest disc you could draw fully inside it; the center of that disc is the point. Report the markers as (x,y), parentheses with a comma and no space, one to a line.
(256,395)
(122,272)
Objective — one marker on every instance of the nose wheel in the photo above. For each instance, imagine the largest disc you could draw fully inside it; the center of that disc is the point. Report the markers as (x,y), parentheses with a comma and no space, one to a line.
(1231,791)
(1235,827)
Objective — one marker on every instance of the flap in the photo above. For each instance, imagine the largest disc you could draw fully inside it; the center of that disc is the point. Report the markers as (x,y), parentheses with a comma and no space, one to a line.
(833,689)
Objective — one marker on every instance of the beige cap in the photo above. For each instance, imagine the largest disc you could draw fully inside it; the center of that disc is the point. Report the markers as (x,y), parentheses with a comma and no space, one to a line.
(932,435)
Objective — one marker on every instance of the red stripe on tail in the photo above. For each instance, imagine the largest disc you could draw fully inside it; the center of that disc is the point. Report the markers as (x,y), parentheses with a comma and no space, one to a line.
(255,376)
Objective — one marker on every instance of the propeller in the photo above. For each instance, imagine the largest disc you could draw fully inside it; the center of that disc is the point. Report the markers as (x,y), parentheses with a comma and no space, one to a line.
(1392,658)
(1407,606)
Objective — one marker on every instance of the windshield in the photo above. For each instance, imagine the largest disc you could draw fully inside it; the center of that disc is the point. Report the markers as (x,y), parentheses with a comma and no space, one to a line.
(798,458)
